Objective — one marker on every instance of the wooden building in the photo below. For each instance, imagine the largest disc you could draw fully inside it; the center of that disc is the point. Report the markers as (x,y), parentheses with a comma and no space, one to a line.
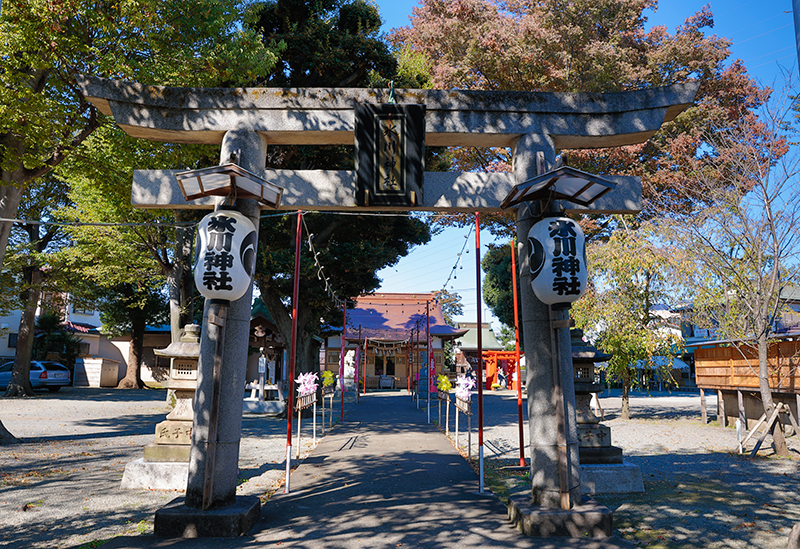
(391,330)
(732,372)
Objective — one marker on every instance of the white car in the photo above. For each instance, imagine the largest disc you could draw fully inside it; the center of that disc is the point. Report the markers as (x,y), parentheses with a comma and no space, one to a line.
(45,374)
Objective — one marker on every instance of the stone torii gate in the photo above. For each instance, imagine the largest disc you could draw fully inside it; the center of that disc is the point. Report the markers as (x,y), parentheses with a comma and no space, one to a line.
(535,125)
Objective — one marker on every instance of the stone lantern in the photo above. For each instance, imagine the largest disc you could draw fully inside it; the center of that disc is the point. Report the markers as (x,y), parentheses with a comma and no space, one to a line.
(594,440)
(174,436)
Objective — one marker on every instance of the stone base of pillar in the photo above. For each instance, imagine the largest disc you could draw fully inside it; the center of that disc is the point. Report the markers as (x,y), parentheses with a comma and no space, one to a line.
(624,478)
(176,520)
(589,519)
(151,475)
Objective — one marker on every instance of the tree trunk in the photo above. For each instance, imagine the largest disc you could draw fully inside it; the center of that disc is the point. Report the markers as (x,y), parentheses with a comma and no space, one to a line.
(180,282)
(778,438)
(10,197)
(174,286)
(307,355)
(133,377)
(307,359)
(186,274)
(626,401)
(20,384)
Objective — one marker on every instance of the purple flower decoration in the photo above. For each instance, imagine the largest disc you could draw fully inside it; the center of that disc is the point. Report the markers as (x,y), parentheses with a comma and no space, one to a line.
(307,383)
(464,386)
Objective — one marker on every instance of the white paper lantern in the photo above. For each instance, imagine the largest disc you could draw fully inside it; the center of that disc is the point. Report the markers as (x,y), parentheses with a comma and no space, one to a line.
(557,261)
(226,255)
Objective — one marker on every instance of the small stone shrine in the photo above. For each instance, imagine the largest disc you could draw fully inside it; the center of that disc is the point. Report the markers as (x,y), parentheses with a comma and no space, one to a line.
(174,436)
(603,469)
(594,440)
(166,461)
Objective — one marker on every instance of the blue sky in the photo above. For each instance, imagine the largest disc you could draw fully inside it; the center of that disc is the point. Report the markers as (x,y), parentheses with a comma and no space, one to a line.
(762,32)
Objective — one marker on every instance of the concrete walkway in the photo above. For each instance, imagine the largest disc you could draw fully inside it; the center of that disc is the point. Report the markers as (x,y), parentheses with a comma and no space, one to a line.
(382,478)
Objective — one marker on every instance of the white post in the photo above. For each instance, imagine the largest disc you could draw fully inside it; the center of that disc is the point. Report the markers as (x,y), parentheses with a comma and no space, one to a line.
(457,446)
(447,417)
(298,432)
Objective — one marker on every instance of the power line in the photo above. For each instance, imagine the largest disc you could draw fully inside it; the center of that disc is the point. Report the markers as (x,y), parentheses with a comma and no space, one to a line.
(458,260)
(763,34)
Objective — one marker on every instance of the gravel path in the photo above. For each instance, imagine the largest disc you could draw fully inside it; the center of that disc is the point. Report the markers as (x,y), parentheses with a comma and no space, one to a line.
(60,488)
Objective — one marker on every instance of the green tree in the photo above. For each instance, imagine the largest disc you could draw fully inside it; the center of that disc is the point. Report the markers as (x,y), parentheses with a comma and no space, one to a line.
(46,44)
(630,274)
(497,284)
(451,305)
(498,292)
(34,265)
(144,243)
(327,43)
(507,338)
(53,336)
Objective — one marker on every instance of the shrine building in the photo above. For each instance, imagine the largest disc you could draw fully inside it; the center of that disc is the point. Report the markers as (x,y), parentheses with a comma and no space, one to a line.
(393,328)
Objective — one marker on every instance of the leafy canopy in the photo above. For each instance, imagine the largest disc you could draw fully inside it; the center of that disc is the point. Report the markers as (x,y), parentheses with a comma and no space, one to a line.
(591,46)
(632,276)
(46,44)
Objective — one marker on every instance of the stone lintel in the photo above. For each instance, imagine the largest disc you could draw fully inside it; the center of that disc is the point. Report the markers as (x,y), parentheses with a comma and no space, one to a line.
(610,137)
(336,191)
(324,116)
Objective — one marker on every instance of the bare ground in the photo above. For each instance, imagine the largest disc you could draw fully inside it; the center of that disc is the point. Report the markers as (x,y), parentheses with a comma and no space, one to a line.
(60,487)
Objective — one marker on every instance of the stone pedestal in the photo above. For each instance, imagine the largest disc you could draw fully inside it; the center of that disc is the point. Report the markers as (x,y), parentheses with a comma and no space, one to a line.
(166,461)
(174,436)
(594,440)
(588,519)
(155,475)
(613,478)
(176,520)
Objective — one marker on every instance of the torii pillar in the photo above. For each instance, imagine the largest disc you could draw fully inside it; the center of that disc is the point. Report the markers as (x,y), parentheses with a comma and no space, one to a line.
(211,507)
(532,155)
(534,124)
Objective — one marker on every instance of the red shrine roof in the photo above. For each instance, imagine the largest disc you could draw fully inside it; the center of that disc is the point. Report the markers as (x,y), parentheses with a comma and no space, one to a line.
(394,316)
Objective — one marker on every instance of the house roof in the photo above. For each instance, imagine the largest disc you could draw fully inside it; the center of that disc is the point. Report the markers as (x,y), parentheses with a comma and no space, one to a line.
(394,316)
(773,336)
(790,293)
(469,341)
(81,327)
(259,310)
